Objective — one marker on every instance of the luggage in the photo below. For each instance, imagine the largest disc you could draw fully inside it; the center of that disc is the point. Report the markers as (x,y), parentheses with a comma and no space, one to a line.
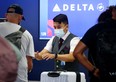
(62,76)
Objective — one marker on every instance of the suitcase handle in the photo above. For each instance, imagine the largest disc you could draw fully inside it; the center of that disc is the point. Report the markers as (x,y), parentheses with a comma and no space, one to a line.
(54,73)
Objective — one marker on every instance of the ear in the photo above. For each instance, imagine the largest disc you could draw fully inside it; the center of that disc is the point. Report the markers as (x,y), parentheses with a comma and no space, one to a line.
(20,17)
(66,26)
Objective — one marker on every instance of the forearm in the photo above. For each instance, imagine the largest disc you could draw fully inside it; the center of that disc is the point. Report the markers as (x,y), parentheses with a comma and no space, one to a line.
(65,57)
(30,63)
(84,61)
(79,54)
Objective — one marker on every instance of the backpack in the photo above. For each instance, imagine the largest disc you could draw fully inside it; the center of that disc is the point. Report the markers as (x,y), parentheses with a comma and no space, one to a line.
(8,62)
(106,51)
(15,37)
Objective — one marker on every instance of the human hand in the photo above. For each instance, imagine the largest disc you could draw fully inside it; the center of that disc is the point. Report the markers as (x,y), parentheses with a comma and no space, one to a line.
(37,54)
(48,56)
(97,73)
(30,63)
(30,67)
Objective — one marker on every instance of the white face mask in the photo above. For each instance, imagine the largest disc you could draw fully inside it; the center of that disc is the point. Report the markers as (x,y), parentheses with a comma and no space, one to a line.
(59,32)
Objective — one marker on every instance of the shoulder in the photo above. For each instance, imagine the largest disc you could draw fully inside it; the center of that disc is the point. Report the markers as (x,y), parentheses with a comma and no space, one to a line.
(94,29)
(52,39)
(9,26)
(75,39)
(4,23)
(90,36)
(27,35)
(74,36)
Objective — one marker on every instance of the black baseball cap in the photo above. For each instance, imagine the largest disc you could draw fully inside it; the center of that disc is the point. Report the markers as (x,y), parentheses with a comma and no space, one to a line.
(17,9)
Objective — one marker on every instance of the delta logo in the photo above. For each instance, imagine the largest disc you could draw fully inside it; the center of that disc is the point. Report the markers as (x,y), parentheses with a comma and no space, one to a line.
(78,7)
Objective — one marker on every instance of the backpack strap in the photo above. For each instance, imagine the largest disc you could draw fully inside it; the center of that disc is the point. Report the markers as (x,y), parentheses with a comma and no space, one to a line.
(15,37)
(22,29)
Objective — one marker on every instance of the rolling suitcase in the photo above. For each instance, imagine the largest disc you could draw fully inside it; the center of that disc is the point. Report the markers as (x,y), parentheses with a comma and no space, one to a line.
(62,76)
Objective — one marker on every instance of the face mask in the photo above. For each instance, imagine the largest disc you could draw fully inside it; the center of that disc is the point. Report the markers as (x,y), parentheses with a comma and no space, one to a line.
(59,32)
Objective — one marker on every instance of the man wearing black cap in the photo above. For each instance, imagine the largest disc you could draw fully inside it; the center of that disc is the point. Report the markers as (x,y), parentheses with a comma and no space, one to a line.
(17,10)
(14,16)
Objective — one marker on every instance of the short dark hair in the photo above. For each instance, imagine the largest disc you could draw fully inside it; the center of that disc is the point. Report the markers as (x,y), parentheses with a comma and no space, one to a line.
(104,16)
(61,18)
(112,7)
